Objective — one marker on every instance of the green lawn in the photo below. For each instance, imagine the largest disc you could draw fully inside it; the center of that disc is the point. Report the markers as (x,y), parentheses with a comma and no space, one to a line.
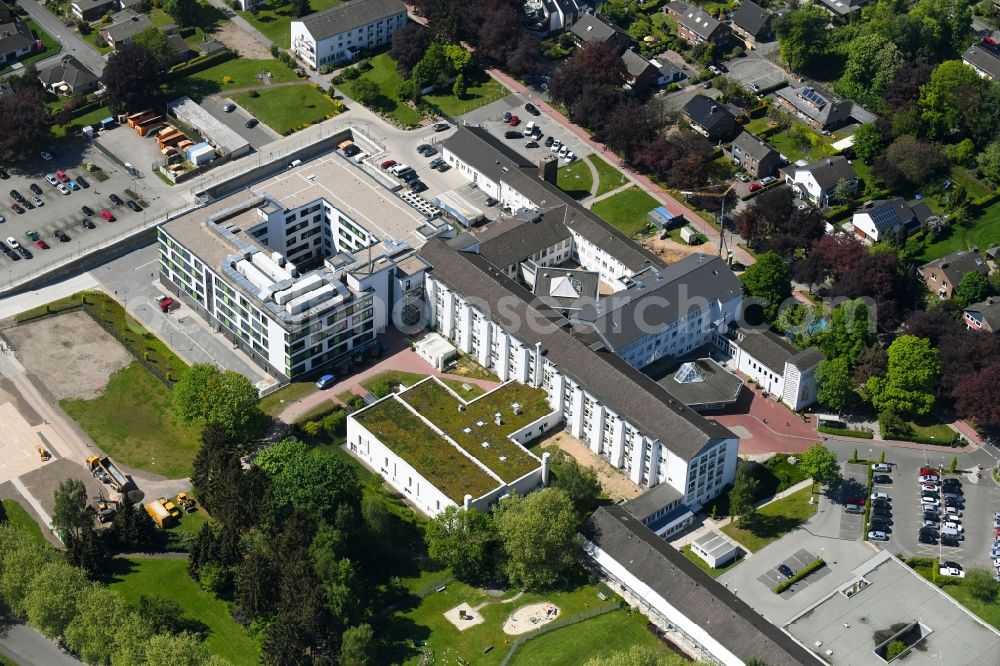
(596,637)
(929,428)
(706,567)
(393,377)
(575,179)
(481,89)
(19,518)
(290,108)
(275,18)
(72,128)
(983,232)
(773,521)
(627,210)
(773,475)
(50,47)
(809,145)
(169,579)
(989,612)
(273,404)
(190,523)
(458,386)
(132,421)
(383,73)
(608,177)
(241,73)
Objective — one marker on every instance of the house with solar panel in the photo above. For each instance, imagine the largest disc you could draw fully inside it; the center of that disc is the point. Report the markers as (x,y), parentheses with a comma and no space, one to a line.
(815,107)
(877,220)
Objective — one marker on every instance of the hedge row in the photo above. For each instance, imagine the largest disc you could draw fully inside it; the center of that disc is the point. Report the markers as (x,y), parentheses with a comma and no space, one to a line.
(199,63)
(919,439)
(844,432)
(802,573)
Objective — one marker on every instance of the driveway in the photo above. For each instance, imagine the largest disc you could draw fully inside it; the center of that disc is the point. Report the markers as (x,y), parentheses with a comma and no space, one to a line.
(259,135)
(757,70)
(71,42)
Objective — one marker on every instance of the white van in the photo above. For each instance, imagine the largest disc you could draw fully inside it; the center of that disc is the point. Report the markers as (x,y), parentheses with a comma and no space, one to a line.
(529,129)
(398,169)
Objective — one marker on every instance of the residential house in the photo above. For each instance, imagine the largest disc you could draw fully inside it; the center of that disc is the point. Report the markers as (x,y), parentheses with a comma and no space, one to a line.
(338,34)
(210,46)
(548,16)
(752,23)
(817,181)
(754,156)
(137,5)
(667,72)
(710,118)
(68,77)
(815,107)
(984,59)
(640,73)
(842,8)
(696,25)
(125,25)
(595,28)
(878,219)
(7,13)
(182,50)
(942,275)
(983,316)
(91,10)
(16,41)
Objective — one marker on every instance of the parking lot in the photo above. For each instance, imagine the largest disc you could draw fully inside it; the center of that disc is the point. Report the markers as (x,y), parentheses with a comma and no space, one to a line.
(259,135)
(756,70)
(795,562)
(852,490)
(63,212)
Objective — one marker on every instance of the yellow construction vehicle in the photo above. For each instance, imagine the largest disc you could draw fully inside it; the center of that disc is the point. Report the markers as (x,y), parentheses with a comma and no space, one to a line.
(170,507)
(43,453)
(159,512)
(186,503)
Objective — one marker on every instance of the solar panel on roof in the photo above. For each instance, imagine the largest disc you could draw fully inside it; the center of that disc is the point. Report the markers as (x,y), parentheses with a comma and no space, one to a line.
(883,217)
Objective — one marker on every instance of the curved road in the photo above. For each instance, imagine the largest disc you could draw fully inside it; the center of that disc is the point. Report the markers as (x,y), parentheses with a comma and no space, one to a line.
(71,42)
(26,647)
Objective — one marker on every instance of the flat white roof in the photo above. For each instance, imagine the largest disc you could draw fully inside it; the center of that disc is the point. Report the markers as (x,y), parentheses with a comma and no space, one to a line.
(212,128)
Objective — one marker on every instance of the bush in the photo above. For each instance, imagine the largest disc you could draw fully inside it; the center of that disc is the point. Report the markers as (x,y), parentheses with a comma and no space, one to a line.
(325,69)
(350,73)
(84,28)
(844,432)
(894,649)
(274,47)
(254,94)
(364,66)
(799,575)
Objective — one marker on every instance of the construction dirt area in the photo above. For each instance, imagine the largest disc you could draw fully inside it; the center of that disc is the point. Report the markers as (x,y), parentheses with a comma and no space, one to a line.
(237,40)
(670,250)
(19,442)
(614,482)
(69,353)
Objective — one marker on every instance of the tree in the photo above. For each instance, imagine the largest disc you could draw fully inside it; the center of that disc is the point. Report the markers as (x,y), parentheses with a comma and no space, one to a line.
(907,387)
(227,398)
(366,92)
(131,78)
(868,142)
(850,329)
(71,517)
(988,162)
(408,45)
(301,7)
(973,288)
(821,464)
(539,535)
(466,541)
(981,584)
(184,12)
(597,63)
(24,123)
(976,396)
(317,485)
(803,36)
(356,645)
(458,58)
(88,552)
(834,384)
(256,577)
(950,100)
(579,483)
(154,41)
(104,627)
(769,279)
(132,527)
(458,89)
(51,602)
(743,494)
(916,160)
(433,68)
(872,62)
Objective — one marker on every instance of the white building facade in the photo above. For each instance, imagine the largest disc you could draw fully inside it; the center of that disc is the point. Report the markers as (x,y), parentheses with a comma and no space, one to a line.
(337,35)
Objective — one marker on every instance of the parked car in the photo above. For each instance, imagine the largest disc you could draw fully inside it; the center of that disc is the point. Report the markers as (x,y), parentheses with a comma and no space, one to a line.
(4,175)
(87,210)
(950,541)
(61,176)
(46,155)
(36,202)
(326,381)
(928,478)
(133,205)
(754,87)
(877,535)
(34,188)
(17,196)
(62,188)
(742,177)
(514,121)
(351,150)
(17,209)
(952,525)
(927,538)
(785,570)
(228,107)
(441,127)
(754,186)
(388,163)
(549,140)
(530,108)
(531,144)
(424,147)
(12,243)
(106,214)
(953,511)
(854,508)
(72,184)
(881,467)
(950,501)
(507,115)
(436,162)
(951,569)
(877,495)
(444,166)
(569,156)
(929,501)
(42,245)
(82,182)
(88,224)
(715,70)
(882,478)
(418,186)
(511,134)
(116,200)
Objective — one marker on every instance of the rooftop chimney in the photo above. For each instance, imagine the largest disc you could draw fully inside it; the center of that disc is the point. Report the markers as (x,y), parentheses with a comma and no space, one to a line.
(548,167)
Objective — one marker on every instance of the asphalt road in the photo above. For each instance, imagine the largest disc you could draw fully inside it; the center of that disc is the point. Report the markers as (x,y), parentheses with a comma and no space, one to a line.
(71,41)
(258,136)
(26,647)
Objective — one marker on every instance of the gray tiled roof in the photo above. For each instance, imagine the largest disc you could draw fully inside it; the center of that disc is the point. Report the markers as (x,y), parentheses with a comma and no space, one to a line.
(510,241)
(593,28)
(69,71)
(127,24)
(350,15)
(808,358)
(830,170)
(957,265)
(753,146)
(651,501)
(751,17)
(695,19)
(683,585)
(634,396)
(990,311)
(635,64)
(84,5)
(15,36)
(698,276)
(982,58)
(709,114)
(818,105)
(768,347)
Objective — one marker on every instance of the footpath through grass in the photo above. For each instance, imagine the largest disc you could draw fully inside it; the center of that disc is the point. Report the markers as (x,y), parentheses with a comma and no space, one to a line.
(608,177)
(383,74)
(169,579)
(575,179)
(627,210)
(773,521)
(20,519)
(230,75)
(290,108)
(134,423)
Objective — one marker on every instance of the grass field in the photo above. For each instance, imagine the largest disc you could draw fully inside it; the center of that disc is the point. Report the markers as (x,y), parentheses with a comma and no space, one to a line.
(989,612)
(273,404)
(19,517)
(938,431)
(983,232)
(627,210)
(575,179)
(168,579)
(383,73)
(773,475)
(290,108)
(274,19)
(132,421)
(773,521)
(480,90)
(608,177)
(50,47)
(596,637)
(704,566)
(241,73)
(72,128)
(393,377)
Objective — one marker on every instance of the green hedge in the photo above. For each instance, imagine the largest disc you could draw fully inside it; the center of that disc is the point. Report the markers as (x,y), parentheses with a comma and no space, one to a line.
(199,63)
(799,575)
(844,432)
(920,440)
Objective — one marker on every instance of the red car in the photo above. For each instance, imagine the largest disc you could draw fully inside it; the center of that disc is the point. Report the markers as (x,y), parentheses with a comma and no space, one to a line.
(106,214)
(928,471)
(514,121)
(17,209)
(754,186)
(41,245)
(388,164)
(61,176)
(165,303)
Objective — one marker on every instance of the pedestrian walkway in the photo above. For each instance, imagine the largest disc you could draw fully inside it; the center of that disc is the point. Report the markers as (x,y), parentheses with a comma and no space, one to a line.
(590,201)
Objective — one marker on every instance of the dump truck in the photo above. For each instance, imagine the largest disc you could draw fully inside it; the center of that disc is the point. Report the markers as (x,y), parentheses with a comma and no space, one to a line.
(170,507)
(158,511)
(114,475)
